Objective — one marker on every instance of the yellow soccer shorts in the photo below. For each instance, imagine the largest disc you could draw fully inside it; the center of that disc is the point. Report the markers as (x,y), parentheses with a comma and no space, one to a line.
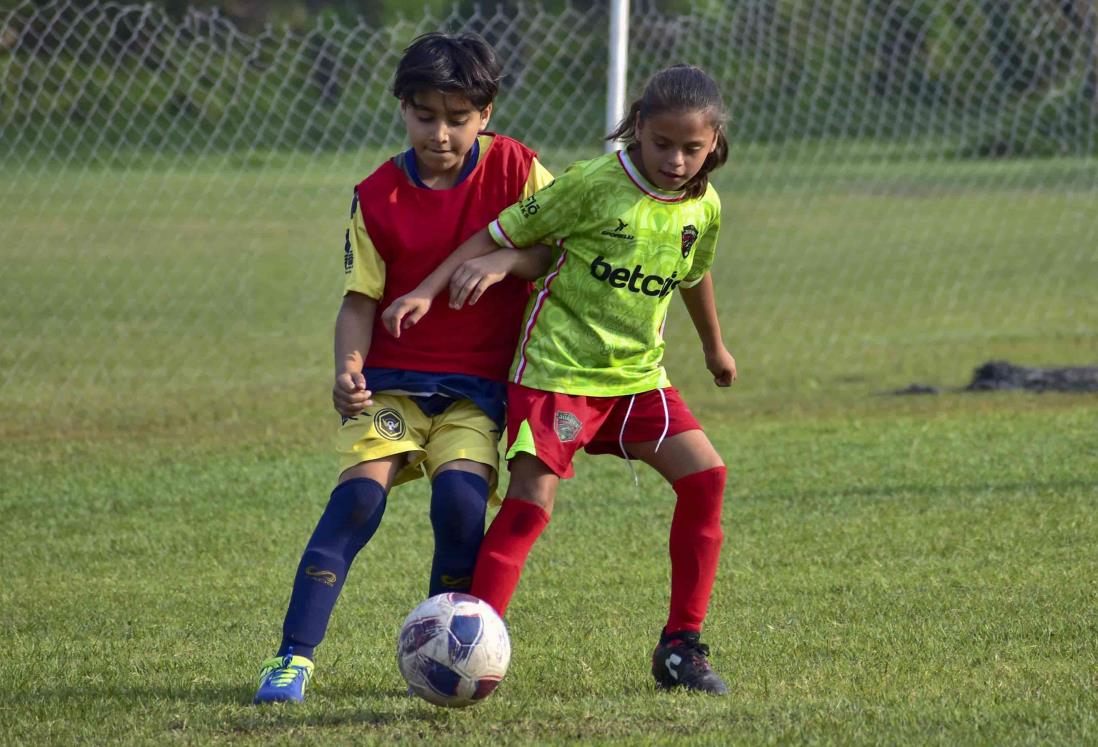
(394,424)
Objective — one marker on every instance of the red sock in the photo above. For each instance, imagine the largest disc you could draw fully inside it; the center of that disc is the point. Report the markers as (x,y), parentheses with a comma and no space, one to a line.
(695,547)
(504,549)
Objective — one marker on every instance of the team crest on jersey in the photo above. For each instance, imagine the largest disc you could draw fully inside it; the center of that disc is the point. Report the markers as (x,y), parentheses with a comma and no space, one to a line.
(567,426)
(389,424)
(689,236)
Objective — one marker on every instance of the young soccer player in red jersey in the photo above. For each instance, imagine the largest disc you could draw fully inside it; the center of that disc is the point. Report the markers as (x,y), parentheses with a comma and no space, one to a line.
(433,400)
(630,228)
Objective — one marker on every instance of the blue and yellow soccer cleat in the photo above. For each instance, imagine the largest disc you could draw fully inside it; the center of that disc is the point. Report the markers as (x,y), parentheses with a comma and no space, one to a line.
(283,679)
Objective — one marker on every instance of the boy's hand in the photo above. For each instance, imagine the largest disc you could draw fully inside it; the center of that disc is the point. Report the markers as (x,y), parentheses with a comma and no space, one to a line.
(350,395)
(475,276)
(722,365)
(404,312)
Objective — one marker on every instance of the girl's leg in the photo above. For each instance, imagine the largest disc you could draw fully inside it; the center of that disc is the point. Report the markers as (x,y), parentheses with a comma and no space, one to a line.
(459,499)
(690,463)
(347,524)
(519,523)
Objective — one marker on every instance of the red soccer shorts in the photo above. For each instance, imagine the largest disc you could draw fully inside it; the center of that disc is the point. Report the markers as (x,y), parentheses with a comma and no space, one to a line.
(554,426)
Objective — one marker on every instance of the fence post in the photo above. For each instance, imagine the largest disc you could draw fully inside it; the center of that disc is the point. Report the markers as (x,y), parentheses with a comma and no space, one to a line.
(616,71)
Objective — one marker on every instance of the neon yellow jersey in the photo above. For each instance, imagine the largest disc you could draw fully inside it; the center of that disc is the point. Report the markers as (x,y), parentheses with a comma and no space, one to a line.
(595,323)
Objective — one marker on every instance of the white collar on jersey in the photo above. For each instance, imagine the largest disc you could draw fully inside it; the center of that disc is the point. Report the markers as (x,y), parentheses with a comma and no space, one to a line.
(643,184)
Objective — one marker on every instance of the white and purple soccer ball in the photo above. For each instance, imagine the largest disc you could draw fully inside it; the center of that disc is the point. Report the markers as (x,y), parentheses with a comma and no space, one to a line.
(453,650)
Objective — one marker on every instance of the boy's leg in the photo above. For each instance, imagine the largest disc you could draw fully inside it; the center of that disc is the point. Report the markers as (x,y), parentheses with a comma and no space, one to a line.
(459,500)
(462,457)
(350,519)
(521,520)
(347,524)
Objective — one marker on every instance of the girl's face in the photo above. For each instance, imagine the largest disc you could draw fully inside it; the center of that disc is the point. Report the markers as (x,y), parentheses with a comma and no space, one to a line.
(674,146)
(442,128)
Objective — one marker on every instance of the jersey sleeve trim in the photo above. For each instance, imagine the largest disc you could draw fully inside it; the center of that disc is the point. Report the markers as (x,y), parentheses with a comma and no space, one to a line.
(495,229)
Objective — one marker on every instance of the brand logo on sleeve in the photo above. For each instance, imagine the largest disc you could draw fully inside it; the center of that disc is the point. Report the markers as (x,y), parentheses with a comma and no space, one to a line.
(689,236)
(529,206)
(348,255)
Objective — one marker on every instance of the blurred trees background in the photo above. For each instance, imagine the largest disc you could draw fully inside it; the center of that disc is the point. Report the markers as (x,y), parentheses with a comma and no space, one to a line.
(1014,76)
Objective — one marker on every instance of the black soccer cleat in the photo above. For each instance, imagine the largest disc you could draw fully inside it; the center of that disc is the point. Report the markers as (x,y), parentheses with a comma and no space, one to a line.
(681,660)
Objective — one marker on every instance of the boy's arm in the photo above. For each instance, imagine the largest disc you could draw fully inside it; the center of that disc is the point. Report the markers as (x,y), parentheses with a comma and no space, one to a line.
(353,332)
(532,263)
(702,307)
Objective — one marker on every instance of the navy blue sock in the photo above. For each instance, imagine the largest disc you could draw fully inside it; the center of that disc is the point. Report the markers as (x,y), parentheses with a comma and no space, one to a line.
(458,503)
(352,516)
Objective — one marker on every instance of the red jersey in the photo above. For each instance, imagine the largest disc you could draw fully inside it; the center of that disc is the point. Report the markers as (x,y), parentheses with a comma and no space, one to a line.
(413,230)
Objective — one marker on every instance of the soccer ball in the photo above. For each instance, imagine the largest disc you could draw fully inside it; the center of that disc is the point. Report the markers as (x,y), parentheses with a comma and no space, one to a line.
(453,650)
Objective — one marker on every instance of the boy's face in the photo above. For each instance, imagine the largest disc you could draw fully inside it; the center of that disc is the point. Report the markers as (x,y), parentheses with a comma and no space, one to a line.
(442,128)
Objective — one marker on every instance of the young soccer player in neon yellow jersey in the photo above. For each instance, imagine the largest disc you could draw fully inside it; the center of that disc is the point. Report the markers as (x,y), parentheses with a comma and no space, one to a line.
(631,228)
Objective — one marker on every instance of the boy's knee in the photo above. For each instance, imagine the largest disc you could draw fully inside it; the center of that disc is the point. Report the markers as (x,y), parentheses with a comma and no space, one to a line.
(459,501)
(358,503)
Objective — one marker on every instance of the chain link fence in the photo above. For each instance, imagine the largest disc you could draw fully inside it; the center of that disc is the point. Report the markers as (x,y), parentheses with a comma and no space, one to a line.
(903,171)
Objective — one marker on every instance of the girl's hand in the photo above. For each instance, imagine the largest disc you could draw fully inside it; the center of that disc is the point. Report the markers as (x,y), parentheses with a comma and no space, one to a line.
(350,395)
(404,312)
(475,276)
(722,365)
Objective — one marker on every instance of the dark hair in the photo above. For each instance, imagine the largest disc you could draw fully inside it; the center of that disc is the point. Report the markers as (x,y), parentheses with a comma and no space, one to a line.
(464,64)
(680,88)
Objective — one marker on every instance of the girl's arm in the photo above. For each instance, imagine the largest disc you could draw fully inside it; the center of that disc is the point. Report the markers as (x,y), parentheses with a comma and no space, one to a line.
(702,307)
(475,266)
(353,332)
(478,275)
(410,308)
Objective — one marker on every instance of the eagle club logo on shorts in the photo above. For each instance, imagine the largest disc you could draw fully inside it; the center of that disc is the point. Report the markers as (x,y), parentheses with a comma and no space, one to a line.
(689,236)
(389,424)
(567,426)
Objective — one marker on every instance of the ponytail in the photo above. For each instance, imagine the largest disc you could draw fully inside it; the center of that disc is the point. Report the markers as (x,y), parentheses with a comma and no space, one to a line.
(696,187)
(626,131)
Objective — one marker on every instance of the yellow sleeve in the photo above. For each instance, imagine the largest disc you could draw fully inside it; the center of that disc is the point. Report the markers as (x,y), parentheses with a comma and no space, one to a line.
(363,267)
(539,177)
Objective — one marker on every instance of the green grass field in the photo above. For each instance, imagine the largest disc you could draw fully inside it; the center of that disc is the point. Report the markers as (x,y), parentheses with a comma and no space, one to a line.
(896,569)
